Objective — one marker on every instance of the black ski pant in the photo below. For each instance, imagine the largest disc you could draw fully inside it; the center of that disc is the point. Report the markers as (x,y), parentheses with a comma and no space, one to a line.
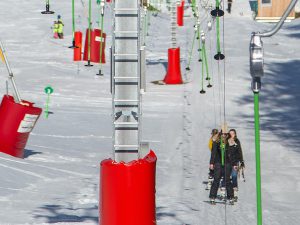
(217,177)
(229,7)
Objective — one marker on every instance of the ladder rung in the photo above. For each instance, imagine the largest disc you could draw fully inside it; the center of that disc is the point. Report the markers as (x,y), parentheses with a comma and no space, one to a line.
(126,123)
(125,54)
(126,60)
(126,146)
(125,100)
(126,83)
(126,78)
(127,151)
(126,15)
(126,128)
(126,38)
(126,106)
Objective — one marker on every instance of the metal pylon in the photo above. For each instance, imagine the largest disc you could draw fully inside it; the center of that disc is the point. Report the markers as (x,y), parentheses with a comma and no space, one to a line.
(126,79)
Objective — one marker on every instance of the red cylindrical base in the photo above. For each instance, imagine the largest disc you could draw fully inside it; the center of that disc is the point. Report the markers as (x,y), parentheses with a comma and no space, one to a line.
(180,13)
(78,43)
(127,193)
(96,41)
(16,121)
(173,75)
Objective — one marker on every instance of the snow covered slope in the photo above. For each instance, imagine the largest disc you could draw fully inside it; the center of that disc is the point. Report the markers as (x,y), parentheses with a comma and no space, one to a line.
(58,181)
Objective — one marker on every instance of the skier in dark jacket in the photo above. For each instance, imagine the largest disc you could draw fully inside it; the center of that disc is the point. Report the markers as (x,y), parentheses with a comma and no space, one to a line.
(219,162)
(235,150)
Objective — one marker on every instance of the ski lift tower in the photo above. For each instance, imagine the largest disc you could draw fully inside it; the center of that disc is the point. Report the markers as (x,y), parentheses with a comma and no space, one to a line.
(127,192)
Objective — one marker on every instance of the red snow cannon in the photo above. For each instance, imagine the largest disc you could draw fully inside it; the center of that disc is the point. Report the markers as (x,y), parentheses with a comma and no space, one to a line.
(17,121)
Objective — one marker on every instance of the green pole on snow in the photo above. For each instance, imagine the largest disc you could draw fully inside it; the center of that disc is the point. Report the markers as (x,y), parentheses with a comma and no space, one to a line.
(48,90)
(199,43)
(89,34)
(101,36)
(218,35)
(191,52)
(257,158)
(206,65)
(202,74)
(73,25)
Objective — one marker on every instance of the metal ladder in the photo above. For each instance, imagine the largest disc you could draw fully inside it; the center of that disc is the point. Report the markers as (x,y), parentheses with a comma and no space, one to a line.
(126,80)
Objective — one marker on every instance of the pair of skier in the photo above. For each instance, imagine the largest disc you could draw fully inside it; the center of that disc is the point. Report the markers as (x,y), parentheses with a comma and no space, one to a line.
(58,28)
(225,158)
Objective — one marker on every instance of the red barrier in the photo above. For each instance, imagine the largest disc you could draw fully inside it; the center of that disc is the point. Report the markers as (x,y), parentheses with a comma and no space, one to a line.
(78,43)
(173,75)
(180,13)
(127,193)
(16,121)
(95,46)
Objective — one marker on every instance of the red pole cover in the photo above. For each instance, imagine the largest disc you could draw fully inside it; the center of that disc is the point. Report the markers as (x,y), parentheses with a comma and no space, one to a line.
(95,46)
(78,43)
(173,75)
(180,12)
(17,121)
(127,192)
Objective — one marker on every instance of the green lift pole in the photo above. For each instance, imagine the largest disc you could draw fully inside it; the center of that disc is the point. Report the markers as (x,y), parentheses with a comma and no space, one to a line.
(89,34)
(73,25)
(102,4)
(257,158)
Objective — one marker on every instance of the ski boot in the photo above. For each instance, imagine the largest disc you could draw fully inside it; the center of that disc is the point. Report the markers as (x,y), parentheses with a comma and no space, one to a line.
(209,183)
(235,189)
(222,193)
(231,201)
(212,201)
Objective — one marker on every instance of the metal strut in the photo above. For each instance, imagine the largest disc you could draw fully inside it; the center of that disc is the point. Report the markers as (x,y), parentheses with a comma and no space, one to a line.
(11,75)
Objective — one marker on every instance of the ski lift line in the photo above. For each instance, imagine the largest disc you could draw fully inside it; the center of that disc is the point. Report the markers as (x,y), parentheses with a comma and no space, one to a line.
(17,96)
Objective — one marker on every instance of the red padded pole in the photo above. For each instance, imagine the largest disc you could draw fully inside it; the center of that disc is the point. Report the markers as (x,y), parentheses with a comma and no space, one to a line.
(127,192)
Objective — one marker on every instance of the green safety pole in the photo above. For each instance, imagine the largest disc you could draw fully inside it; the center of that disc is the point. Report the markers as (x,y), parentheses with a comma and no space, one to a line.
(73,25)
(222,146)
(48,90)
(89,34)
(199,43)
(202,74)
(206,66)
(257,158)
(101,37)
(191,52)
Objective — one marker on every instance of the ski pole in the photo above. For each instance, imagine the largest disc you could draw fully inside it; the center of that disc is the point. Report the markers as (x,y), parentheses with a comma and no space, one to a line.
(48,91)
